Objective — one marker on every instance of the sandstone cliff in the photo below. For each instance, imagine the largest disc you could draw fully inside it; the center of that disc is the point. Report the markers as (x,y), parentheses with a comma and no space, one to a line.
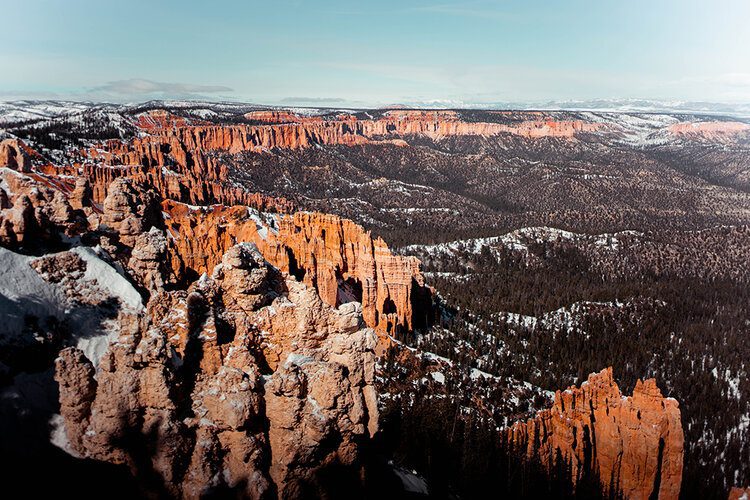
(239,376)
(332,255)
(711,130)
(14,154)
(187,145)
(181,159)
(246,381)
(34,211)
(634,444)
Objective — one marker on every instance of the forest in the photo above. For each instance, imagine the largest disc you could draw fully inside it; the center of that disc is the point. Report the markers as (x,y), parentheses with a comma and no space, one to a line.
(560,309)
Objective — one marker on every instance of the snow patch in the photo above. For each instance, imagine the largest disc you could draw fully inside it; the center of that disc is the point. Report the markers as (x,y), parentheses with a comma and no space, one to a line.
(108,279)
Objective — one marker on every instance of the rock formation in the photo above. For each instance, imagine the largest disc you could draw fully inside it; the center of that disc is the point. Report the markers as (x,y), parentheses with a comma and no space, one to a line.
(739,494)
(634,444)
(251,383)
(129,211)
(201,181)
(34,212)
(276,116)
(711,130)
(14,154)
(251,368)
(333,255)
(186,145)
(181,159)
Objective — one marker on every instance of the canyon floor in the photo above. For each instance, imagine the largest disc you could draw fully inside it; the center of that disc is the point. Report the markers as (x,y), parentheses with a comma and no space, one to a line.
(219,299)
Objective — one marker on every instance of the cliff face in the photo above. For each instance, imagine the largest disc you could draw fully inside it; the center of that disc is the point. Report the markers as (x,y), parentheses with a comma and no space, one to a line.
(14,154)
(634,444)
(239,376)
(196,184)
(243,379)
(246,380)
(34,211)
(335,256)
(181,159)
(185,145)
(710,130)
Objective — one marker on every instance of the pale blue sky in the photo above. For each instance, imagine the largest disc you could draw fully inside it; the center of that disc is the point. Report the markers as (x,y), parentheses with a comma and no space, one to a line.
(376,52)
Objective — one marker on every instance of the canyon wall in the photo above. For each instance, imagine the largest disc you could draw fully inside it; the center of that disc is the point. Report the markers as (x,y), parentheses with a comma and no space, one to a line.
(290,354)
(710,130)
(187,145)
(181,159)
(196,180)
(634,444)
(333,255)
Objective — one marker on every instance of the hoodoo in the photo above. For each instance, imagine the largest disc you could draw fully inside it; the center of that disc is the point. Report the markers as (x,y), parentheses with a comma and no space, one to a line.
(634,444)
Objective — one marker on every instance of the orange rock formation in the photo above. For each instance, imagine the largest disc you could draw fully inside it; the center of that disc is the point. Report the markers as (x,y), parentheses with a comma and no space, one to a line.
(181,397)
(712,130)
(635,443)
(187,145)
(333,255)
(739,494)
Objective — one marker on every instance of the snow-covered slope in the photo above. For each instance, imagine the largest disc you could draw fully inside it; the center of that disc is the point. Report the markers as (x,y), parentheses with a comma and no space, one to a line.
(82,304)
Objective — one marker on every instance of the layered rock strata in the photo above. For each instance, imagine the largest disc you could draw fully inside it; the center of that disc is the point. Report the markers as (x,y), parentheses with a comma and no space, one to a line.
(710,130)
(186,146)
(335,256)
(332,255)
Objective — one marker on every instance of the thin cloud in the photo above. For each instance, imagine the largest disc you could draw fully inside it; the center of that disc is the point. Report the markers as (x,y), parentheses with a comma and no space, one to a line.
(130,90)
(137,86)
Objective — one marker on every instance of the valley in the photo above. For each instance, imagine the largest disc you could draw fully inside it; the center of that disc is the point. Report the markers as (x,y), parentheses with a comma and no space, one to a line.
(443,282)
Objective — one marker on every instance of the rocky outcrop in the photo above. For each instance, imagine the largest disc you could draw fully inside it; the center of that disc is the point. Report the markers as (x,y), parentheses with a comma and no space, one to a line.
(186,159)
(739,494)
(344,263)
(14,154)
(199,180)
(129,211)
(634,444)
(34,213)
(714,131)
(276,116)
(246,381)
(82,195)
(149,261)
(332,255)
(159,118)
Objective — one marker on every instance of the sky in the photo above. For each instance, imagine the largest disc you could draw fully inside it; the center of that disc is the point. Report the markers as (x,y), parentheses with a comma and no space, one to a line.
(375,52)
